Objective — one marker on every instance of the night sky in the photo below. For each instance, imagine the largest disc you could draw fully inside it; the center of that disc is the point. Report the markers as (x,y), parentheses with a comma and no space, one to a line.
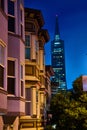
(72,15)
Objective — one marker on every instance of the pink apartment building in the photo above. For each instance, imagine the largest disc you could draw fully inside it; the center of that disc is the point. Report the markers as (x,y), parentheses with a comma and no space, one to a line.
(12,63)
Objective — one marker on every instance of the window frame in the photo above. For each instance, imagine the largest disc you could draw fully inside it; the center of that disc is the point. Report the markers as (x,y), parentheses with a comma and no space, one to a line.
(12,77)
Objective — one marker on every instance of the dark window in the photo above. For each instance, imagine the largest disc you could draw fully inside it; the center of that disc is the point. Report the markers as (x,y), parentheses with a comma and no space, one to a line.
(11,86)
(28,94)
(11,7)
(11,24)
(22,88)
(27,47)
(1,55)
(21,71)
(27,108)
(1,66)
(2,4)
(11,68)
(28,101)
(11,77)
(27,40)
(1,76)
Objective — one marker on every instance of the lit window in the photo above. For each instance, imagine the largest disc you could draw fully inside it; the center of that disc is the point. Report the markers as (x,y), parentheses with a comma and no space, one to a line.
(57,37)
(11,77)
(57,43)
(27,47)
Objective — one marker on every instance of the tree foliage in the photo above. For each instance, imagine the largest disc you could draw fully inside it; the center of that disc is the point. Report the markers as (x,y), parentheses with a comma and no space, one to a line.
(78,86)
(68,112)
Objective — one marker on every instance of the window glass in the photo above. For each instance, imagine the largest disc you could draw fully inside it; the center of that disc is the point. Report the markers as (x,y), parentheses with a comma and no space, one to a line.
(11,7)
(28,94)
(27,40)
(29,70)
(21,71)
(1,66)
(11,24)
(11,18)
(27,46)
(28,108)
(2,4)
(1,55)
(22,86)
(11,68)
(11,77)
(1,76)
(28,101)
(11,86)
(27,53)
(22,82)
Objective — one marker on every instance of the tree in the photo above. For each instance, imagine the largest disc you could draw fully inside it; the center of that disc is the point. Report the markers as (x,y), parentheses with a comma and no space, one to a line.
(78,86)
(69,113)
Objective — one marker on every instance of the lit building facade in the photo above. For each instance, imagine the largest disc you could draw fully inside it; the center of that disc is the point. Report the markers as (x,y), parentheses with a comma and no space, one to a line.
(35,38)
(80,84)
(12,63)
(58,62)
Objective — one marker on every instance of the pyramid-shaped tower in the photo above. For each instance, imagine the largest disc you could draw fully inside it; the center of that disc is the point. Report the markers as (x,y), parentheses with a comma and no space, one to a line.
(58,61)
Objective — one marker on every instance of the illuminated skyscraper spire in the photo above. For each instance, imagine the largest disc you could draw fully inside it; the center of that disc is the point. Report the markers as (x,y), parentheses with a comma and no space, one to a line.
(58,61)
(57,33)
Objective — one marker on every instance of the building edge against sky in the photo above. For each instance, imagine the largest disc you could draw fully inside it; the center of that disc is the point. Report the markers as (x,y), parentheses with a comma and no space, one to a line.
(25,86)
(58,61)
